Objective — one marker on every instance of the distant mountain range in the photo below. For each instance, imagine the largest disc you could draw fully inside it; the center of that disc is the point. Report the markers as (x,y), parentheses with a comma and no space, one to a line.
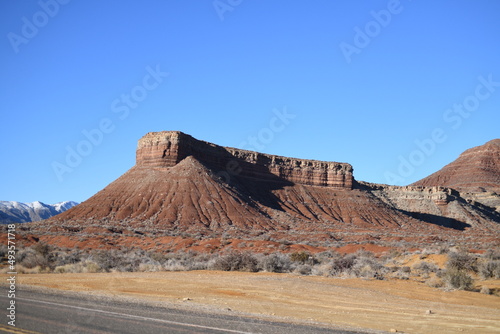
(16,212)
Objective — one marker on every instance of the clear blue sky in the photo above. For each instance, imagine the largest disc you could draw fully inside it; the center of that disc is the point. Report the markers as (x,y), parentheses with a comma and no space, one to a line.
(363,80)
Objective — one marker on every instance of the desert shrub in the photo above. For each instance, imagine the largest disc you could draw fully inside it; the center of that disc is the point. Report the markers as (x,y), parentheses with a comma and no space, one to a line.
(276,263)
(29,258)
(34,270)
(90,267)
(24,253)
(236,261)
(458,279)
(364,253)
(105,262)
(71,268)
(67,268)
(303,269)
(118,260)
(323,259)
(321,269)
(182,261)
(443,249)
(300,257)
(80,267)
(490,269)
(405,269)
(42,248)
(492,254)
(174,265)
(343,263)
(462,261)
(361,264)
(485,290)
(435,282)
(425,268)
(160,257)
(325,256)
(400,272)
(39,255)
(368,267)
(63,257)
(3,251)
(148,267)
(199,262)
(394,253)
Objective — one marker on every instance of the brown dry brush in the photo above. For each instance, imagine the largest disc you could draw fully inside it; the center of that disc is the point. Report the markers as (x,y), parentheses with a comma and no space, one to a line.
(458,273)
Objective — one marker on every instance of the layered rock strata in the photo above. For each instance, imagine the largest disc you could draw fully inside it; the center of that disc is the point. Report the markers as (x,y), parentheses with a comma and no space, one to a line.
(440,196)
(168,148)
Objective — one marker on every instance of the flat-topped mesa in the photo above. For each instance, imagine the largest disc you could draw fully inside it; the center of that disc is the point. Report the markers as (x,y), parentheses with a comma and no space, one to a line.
(166,149)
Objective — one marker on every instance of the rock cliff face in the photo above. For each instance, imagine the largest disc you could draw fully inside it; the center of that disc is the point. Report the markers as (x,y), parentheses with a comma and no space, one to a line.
(168,148)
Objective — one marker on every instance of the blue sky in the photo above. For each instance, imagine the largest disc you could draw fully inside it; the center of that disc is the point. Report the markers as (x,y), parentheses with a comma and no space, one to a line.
(398,89)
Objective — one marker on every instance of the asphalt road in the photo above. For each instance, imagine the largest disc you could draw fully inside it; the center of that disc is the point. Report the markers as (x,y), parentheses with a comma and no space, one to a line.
(60,313)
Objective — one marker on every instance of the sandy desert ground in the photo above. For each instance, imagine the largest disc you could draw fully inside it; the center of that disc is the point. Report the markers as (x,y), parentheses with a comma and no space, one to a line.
(389,305)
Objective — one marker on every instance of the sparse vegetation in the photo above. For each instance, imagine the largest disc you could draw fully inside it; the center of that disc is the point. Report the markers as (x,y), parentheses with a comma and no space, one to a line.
(492,254)
(458,279)
(303,269)
(490,269)
(435,282)
(301,257)
(236,261)
(460,271)
(342,264)
(277,263)
(485,290)
(424,268)
(462,261)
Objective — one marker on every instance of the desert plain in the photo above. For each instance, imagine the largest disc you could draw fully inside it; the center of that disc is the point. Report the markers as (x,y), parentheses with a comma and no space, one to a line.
(352,303)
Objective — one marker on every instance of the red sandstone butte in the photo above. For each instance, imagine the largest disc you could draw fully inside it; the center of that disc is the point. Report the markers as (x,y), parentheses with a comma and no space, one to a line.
(181,186)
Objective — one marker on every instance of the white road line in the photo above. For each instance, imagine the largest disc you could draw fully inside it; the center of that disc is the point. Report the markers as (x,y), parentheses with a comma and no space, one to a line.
(124,315)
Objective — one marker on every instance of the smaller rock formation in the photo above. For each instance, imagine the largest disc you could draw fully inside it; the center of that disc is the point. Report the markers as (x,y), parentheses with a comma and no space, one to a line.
(475,170)
(475,173)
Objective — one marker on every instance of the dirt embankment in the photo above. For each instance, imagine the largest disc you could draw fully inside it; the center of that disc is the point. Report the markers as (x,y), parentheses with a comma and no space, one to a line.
(405,306)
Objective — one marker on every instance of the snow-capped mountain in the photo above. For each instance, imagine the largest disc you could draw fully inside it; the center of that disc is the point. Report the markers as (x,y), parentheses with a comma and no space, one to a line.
(16,212)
